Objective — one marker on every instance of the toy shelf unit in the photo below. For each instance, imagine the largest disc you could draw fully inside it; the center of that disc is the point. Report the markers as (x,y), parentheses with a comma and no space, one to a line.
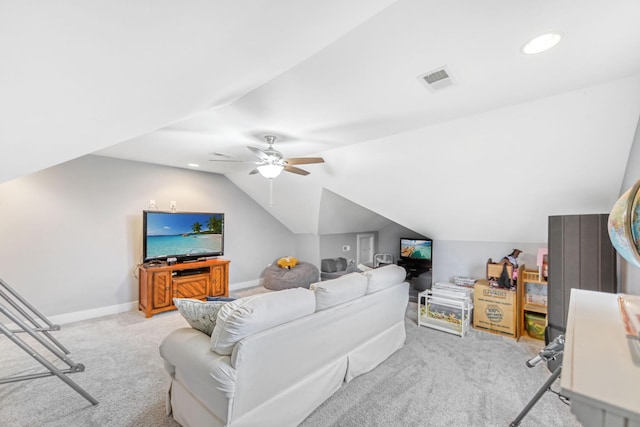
(446,307)
(533,304)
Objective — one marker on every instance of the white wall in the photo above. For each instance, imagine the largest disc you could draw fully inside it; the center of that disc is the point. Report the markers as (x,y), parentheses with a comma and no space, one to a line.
(72,234)
(468,259)
(339,215)
(307,248)
(331,245)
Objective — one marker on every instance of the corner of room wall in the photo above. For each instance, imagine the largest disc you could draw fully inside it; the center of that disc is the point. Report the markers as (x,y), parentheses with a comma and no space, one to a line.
(308,248)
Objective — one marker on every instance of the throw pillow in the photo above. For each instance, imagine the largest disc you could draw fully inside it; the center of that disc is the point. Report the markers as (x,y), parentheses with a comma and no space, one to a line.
(225,299)
(287,262)
(201,315)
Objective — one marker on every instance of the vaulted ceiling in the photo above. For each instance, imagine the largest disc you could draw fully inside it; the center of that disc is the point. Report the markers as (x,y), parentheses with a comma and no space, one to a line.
(512,140)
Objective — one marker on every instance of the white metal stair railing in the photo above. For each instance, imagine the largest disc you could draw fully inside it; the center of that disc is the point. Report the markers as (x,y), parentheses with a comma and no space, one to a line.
(28,320)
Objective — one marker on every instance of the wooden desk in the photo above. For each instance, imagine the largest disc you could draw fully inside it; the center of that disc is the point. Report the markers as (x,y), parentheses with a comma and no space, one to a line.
(599,373)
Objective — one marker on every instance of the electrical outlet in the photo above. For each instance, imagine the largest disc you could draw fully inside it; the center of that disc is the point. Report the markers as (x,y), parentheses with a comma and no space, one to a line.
(152,204)
(346,248)
(173,205)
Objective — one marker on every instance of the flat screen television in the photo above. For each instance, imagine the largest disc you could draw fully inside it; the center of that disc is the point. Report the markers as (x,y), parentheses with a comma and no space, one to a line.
(416,249)
(182,235)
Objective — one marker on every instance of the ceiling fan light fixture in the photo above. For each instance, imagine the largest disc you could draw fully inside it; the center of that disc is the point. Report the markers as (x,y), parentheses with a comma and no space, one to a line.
(541,43)
(270,171)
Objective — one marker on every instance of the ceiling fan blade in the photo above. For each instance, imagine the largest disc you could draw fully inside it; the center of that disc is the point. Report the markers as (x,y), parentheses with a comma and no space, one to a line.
(253,172)
(295,170)
(258,152)
(235,161)
(304,160)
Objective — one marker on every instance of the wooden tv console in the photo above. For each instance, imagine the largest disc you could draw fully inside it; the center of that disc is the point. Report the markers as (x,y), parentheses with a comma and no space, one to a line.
(159,284)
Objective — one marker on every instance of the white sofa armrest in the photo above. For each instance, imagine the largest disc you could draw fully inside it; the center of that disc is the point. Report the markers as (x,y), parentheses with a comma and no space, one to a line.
(206,374)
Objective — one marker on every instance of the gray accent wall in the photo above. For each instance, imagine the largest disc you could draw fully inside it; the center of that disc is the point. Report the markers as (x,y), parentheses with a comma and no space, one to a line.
(331,245)
(72,234)
(342,216)
(307,248)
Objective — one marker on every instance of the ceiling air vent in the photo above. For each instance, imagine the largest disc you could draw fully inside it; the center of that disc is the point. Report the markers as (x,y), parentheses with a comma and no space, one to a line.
(437,79)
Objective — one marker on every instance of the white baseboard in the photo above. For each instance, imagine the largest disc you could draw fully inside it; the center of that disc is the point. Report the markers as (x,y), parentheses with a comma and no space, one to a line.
(244,285)
(77,316)
(129,306)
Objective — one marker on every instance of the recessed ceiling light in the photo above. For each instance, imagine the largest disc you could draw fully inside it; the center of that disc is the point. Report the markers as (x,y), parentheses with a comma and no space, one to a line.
(541,43)
(194,165)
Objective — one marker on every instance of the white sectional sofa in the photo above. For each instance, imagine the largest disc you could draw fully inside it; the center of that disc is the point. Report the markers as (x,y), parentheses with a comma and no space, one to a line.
(273,358)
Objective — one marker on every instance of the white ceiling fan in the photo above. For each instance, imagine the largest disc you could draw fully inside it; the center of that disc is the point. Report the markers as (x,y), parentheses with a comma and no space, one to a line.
(272,162)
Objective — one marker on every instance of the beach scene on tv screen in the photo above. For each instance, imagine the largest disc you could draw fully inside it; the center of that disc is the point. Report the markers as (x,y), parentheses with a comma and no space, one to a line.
(183,234)
(419,249)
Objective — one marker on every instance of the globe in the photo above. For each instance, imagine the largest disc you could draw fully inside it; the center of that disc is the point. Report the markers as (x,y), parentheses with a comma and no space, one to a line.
(624,225)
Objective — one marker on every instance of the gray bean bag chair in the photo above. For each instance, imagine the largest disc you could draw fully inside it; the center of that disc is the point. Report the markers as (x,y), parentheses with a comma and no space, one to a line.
(302,275)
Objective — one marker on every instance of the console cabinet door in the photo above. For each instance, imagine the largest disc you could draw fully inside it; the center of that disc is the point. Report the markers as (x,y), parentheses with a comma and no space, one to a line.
(217,280)
(159,284)
(191,286)
(162,294)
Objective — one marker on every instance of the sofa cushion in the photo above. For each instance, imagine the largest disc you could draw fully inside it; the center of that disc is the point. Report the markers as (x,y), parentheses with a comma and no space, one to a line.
(383,277)
(249,315)
(336,291)
(201,315)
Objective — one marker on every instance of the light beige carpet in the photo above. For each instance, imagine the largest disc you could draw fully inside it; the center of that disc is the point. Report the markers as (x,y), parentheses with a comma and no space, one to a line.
(437,379)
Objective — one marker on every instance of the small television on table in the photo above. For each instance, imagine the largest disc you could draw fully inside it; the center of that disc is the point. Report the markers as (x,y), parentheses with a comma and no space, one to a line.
(185,236)
(416,249)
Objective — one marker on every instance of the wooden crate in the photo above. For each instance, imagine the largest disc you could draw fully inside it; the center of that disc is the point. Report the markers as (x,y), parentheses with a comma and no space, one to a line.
(495,269)
(495,309)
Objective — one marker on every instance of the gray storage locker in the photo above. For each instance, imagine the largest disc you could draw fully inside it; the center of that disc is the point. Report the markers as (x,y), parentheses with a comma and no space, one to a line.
(580,256)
